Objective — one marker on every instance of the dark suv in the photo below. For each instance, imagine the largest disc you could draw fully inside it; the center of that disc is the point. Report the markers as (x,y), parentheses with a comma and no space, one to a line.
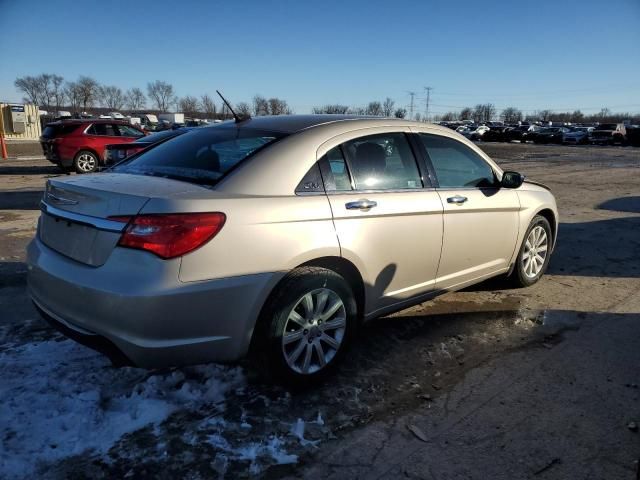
(79,144)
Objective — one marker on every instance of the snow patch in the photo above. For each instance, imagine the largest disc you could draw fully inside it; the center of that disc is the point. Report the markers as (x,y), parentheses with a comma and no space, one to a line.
(60,399)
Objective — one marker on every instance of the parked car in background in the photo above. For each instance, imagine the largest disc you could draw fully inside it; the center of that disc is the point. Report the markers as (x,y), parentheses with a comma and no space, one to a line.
(495,134)
(80,144)
(516,133)
(478,133)
(633,135)
(530,133)
(279,235)
(116,152)
(609,134)
(550,135)
(577,136)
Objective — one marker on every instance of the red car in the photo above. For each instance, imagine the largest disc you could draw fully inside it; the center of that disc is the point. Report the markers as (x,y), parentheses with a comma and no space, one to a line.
(80,144)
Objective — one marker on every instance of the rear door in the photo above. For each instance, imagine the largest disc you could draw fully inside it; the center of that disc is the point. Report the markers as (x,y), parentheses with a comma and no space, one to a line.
(480,218)
(387,216)
(99,135)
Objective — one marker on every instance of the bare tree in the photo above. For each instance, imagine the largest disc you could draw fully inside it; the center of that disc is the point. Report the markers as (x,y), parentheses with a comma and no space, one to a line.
(449,117)
(162,95)
(466,113)
(88,90)
(358,110)
(511,115)
(243,109)
(484,112)
(188,105)
(57,91)
(208,106)
(278,106)
(72,92)
(111,97)
(387,107)
(260,105)
(374,108)
(400,113)
(332,109)
(30,87)
(135,99)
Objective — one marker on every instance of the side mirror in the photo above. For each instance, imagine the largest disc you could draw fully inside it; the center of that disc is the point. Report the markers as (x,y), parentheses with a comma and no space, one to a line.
(512,179)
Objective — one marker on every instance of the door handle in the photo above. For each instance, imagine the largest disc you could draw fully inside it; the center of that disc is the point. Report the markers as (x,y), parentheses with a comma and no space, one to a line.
(458,200)
(361,205)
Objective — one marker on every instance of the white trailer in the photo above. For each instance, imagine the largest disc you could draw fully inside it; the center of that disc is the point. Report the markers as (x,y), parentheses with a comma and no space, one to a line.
(172,117)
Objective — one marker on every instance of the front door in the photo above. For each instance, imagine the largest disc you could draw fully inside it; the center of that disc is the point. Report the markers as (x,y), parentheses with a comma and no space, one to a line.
(480,218)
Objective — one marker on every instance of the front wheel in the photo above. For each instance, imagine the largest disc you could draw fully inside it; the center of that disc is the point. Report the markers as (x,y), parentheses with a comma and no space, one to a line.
(307,325)
(534,254)
(85,162)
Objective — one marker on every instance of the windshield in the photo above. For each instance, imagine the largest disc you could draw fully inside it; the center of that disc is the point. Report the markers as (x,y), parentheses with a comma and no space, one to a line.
(200,156)
(607,126)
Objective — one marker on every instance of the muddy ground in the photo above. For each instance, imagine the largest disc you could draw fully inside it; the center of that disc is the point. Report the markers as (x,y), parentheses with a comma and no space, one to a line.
(484,383)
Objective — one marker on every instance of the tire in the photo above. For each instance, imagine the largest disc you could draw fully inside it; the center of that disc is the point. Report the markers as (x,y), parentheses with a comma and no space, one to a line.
(85,161)
(298,360)
(524,272)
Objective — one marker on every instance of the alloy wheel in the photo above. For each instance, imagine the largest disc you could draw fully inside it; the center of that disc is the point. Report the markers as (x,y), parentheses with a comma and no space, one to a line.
(86,162)
(314,331)
(535,251)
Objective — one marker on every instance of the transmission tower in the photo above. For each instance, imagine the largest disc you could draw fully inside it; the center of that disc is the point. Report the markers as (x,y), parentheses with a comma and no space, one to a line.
(412,94)
(426,108)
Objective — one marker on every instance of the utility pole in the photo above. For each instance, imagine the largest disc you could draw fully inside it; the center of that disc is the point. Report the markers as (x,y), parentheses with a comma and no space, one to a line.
(426,110)
(412,94)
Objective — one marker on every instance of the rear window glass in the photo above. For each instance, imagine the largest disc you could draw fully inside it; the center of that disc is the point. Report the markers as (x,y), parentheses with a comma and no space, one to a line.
(51,131)
(607,126)
(202,155)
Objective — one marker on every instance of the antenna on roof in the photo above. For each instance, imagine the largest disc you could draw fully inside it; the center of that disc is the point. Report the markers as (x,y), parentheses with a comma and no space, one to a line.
(239,118)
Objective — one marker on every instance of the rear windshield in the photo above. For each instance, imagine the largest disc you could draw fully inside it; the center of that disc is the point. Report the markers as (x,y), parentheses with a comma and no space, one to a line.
(607,126)
(52,131)
(200,156)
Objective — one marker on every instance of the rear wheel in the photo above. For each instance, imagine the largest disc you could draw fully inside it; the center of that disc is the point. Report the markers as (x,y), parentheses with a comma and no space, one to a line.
(85,162)
(307,325)
(534,253)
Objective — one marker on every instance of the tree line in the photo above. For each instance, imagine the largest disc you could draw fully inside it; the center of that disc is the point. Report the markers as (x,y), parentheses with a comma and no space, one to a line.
(51,91)
(512,115)
(385,108)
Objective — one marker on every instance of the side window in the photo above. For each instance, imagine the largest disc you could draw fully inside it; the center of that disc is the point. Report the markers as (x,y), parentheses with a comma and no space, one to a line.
(102,129)
(311,182)
(456,165)
(334,171)
(382,162)
(127,131)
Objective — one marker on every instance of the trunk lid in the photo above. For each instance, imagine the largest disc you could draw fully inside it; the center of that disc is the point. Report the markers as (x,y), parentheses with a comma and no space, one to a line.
(75,211)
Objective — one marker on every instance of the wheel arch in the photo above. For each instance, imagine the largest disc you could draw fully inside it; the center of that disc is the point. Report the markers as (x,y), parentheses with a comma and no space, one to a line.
(88,149)
(339,265)
(548,214)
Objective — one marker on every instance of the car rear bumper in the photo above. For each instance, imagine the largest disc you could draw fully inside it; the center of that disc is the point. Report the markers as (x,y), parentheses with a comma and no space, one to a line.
(136,302)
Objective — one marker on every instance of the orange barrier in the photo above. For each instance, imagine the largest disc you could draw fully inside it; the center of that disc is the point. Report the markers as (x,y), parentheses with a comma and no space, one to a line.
(4,147)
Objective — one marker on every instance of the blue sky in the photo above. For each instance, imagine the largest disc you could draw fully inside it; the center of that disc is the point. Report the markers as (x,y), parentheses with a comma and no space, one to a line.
(532,54)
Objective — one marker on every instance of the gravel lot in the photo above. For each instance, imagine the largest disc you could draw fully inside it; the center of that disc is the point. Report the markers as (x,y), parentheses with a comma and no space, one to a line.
(484,383)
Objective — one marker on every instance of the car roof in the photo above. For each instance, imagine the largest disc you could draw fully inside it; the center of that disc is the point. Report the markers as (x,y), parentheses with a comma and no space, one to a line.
(295,123)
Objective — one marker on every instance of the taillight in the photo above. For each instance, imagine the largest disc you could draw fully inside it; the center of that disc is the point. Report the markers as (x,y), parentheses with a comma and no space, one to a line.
(170,235)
